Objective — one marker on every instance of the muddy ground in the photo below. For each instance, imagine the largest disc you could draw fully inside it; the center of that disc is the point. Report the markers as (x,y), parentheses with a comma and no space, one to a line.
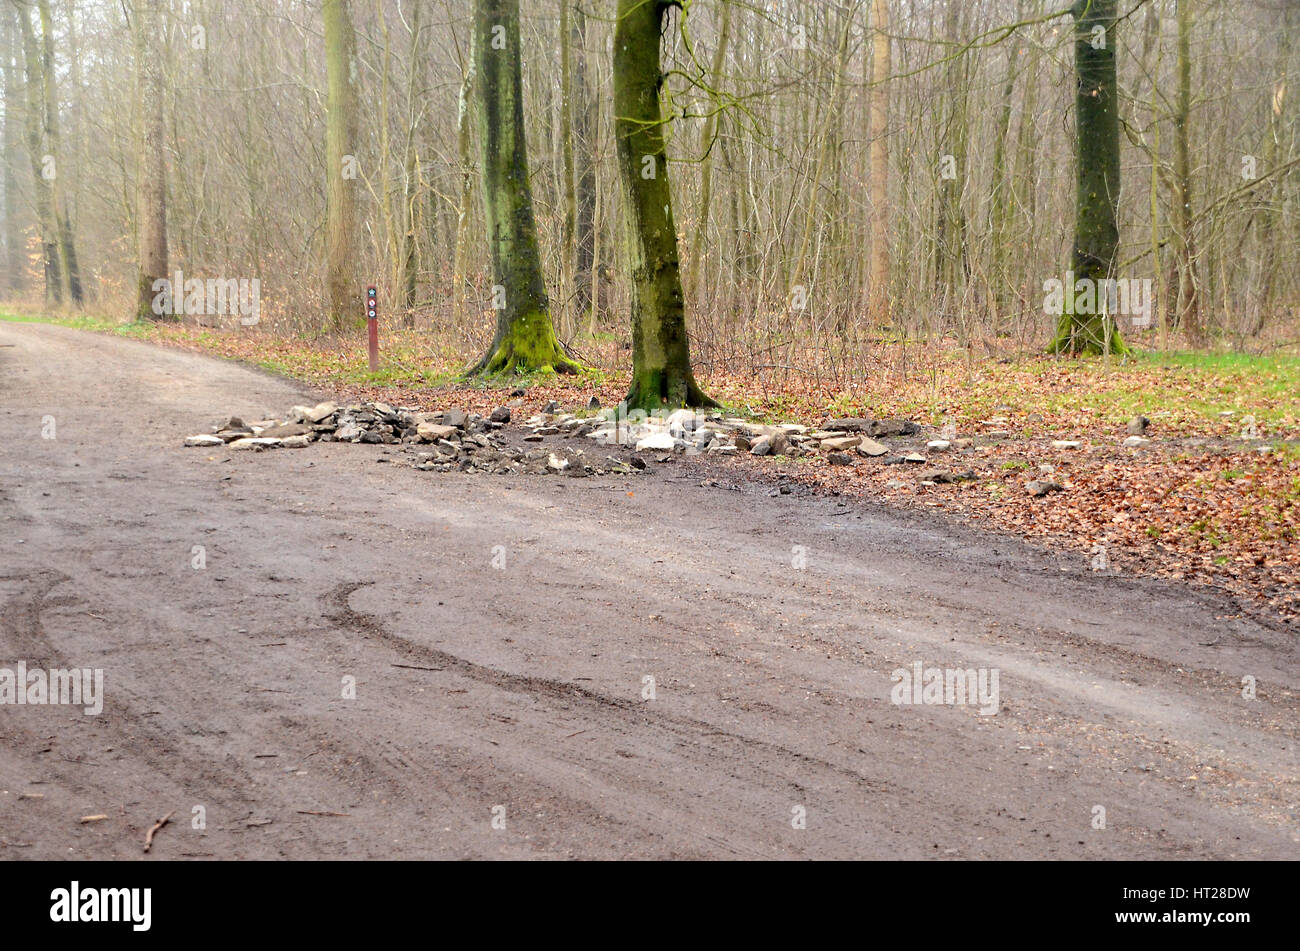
(523,686)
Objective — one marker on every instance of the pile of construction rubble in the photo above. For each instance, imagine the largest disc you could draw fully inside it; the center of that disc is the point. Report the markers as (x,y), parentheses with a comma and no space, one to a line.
(547,443)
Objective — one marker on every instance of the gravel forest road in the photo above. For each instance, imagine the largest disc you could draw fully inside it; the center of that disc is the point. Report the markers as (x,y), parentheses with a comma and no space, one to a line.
(518,693)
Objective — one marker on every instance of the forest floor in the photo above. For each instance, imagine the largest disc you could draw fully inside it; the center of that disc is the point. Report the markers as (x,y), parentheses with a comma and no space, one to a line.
(647,673)
(1213,498)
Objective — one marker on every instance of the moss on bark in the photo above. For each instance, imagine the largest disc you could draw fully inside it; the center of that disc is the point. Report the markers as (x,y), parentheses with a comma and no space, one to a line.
(525,340)
(1097,170)
(661,359)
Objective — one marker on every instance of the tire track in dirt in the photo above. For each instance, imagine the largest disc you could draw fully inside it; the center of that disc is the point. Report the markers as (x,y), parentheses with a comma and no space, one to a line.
(632,714)
(222,787)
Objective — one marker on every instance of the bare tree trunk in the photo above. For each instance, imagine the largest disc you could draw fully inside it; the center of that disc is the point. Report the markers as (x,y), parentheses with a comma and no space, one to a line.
(708,140)
(410,256)
(151,174)
(1024,177)
(568,253)
(34,108)
(825,147)
(77,111)
(950,246)
(70,273)
(1188,307)
(13,232)
(1272,223)
(390,249)
(584,168)
(878,302)
(1000,201)
(463,143)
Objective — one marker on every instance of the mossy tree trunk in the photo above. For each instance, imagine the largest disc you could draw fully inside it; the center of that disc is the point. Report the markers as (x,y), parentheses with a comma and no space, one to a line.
(1097,170)
(525,339)
(661,359)
(345,309)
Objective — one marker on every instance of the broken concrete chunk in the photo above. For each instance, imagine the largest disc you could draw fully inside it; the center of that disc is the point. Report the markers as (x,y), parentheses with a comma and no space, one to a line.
(656,441)
(432,432)
(256,443)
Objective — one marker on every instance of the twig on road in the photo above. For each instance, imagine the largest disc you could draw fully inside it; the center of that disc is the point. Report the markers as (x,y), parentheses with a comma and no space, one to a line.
(148,839)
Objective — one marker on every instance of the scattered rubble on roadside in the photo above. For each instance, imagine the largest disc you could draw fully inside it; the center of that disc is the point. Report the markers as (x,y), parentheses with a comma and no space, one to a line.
(454,439)
(438,441)
(611,441)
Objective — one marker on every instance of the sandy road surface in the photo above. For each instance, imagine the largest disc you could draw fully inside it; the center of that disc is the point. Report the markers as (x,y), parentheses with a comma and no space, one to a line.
(772,684)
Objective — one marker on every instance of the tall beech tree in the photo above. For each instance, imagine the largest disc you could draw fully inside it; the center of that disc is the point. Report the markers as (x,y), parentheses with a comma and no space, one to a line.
(584,170)
(708,141)
(525,339)
(151,176)
(878,162)
(35,133)
(661,358)
(1097,179)
(1188,304)
(70,271)
(340,158)
(13,232)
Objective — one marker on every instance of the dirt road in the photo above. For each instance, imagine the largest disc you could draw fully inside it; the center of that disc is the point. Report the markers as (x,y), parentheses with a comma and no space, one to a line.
(520,693)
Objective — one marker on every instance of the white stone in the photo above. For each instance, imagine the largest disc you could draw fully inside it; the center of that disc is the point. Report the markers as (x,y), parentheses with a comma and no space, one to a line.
(656,441)
(685,419)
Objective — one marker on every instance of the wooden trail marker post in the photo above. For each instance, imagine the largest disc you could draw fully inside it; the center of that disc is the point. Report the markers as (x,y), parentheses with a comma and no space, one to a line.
(372,324)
